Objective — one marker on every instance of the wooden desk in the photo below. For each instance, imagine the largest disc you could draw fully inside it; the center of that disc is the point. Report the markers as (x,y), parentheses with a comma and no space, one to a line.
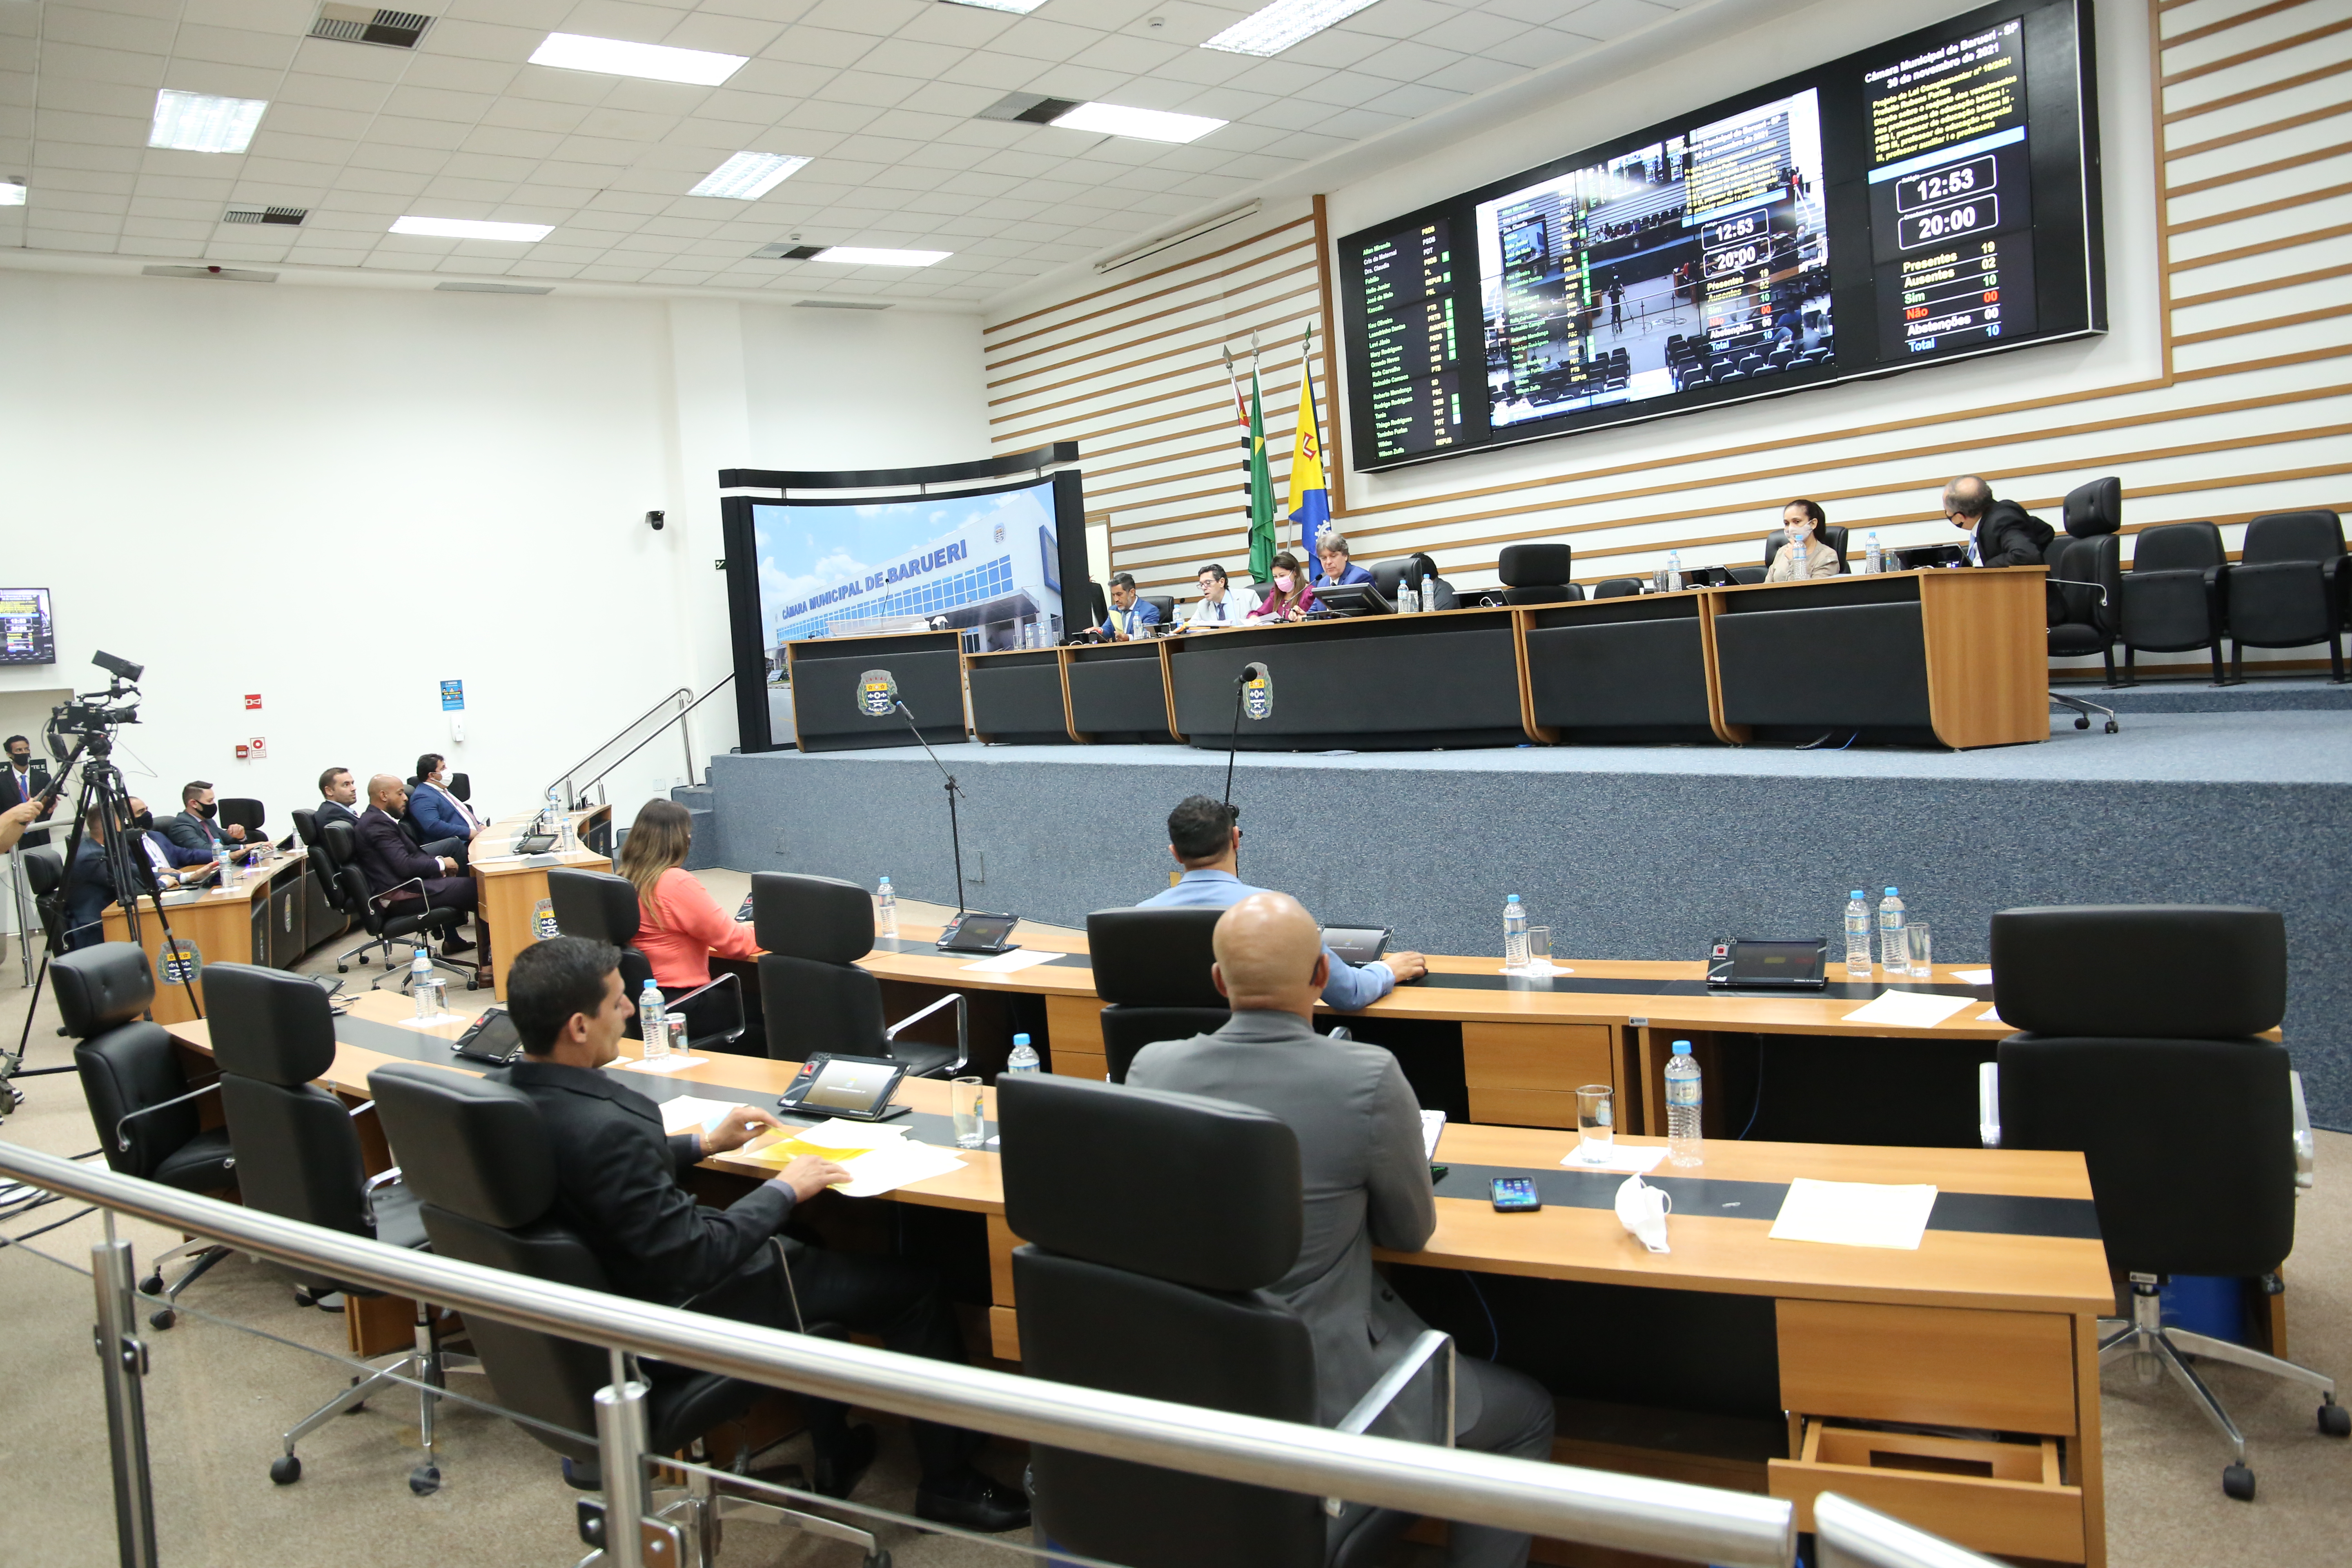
(511,891)
(1989,1326)
(223,925)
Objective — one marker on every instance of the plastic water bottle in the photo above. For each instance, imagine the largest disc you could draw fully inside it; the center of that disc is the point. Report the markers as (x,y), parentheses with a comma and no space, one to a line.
(653,1021)
(885,914)
(1408,602)
(1684,1143)
(1515,934)
(228,865)
(1023,1057)
(1894,947)
(1857,936)
(1873,560)
(1674,571)
(420,970)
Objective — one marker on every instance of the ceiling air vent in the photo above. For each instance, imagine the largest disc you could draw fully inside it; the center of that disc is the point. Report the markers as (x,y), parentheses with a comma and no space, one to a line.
(225,274)
(784,250)
(289,215)
(491,289)
(1028,108)
(835,305)
(366,25)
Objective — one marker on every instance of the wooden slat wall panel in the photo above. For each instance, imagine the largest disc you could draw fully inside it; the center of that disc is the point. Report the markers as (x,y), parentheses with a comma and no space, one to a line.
(2248,409)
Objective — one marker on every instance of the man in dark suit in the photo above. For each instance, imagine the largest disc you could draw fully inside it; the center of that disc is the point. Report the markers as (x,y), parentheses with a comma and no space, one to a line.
(90,886)
(1367,1183)
(196,827)
(618,1185)
(339,798)
(22,777)
(2004,533)
(388,860)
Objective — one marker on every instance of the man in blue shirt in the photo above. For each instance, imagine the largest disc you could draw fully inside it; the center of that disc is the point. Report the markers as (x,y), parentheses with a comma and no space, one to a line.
(1128,616)
(1337,571)
(1203,838)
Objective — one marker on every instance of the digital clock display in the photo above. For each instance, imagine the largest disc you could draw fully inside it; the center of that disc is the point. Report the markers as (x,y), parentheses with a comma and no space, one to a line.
(1952,182)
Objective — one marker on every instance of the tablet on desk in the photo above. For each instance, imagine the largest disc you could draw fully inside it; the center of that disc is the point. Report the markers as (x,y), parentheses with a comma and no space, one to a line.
(973,932)
(1356,944)
(1775,963)
(856,1088)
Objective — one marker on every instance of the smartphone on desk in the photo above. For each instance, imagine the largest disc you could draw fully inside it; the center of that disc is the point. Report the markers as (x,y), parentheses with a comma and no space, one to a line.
(1515,1194)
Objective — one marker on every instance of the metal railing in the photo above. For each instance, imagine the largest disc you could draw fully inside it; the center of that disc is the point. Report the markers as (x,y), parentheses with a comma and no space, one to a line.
(575,789)
(1629,1513)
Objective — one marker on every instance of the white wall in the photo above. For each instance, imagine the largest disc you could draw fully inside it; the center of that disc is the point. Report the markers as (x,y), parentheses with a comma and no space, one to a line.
(337,497)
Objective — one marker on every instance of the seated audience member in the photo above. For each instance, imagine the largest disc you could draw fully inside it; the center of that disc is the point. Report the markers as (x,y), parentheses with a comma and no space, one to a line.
(90,885)
(440,821)
(396,867)
(1436,593)
(1804,554)
(1222,604)
(15,820)
(1367,1186)
(167,858)
(1334,568)
(2005,533)
(681,929)
(339,798)
(619,1183)
(1130,615)
(1289,598)
(1205,840)
(196,827)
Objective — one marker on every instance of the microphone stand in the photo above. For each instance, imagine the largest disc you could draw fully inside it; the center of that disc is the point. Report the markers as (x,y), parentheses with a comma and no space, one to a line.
(955,835)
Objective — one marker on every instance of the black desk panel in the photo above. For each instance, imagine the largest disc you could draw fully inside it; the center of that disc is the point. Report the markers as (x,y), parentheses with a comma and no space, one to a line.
(1396,683)
(1845,653)
(1016,698)
(1629,668)
(928,667)
(1117,694)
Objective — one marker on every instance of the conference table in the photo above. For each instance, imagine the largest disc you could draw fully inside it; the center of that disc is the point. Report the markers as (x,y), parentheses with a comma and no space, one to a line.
(1988,1327)
(258,919)
(511,900)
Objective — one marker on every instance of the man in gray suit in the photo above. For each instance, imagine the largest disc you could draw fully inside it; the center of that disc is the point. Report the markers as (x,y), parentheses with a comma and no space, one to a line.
(1367,1184)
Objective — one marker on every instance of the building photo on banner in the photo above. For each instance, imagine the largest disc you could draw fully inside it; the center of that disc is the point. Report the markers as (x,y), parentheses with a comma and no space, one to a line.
(1650,692)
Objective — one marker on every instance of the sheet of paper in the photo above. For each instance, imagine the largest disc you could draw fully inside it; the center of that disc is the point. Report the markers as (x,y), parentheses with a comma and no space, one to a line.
(1432,1125)
(1907,1009)
(1625,1159)
(670,1063)
(1991,1016)
(688,1114)
(1973,977)
(1010,962)
(1854,1214)
(837,1134)
(434,1022)
(889,1164)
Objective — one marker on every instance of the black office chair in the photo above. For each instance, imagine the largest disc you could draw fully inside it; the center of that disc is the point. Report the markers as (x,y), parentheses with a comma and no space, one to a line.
(1748,575)
(2138,1047)
(2172,594)
(814,929)
(298,1156)
(1830,533)
(1165,604)
(604,908)
(1536,574)
(1617,589)
(485,1181)
(139,1100)
(1422,568)
(328,871)
(2085,586)
(237,811)
(2287,589)
(1152,969)
(386,923)
(1125,1285)
(45,879)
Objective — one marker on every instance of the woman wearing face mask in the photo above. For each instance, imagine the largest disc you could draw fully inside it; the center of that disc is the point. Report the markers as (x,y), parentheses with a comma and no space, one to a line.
(1804,555)
(1290,597)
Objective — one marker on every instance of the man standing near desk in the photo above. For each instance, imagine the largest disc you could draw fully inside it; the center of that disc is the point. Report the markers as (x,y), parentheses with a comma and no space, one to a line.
(396,867)
(617,1184)
(1206,841)
(1130,617)
(23,778)
(1367,1185)
(2004,533)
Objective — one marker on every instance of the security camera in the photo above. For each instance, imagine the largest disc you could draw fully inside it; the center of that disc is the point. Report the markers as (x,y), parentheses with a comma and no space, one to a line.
(653,521)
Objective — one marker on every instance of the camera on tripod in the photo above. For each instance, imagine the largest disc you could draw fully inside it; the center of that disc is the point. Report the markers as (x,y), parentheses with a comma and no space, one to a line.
(89,720)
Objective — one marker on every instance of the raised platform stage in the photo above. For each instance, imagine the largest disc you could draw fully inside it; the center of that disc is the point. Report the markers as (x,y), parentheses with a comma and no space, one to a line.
(1633,851)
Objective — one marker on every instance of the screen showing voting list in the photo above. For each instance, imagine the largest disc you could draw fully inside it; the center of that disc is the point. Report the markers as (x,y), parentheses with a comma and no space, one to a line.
(26,634)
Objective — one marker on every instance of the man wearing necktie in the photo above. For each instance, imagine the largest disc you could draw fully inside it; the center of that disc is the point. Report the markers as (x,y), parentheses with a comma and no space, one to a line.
(1128,616)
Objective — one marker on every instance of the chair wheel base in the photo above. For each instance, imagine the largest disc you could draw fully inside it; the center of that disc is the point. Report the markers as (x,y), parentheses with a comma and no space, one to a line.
(2238,1482)
(2084,722)
(286,1470)
(424,1480)
(342,969)
(880,1560)
(161,1319)
(152,1286)
(2113,728)
(2335,1420)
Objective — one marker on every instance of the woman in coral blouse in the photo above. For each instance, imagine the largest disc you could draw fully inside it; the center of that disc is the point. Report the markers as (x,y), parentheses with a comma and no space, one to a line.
(681,929)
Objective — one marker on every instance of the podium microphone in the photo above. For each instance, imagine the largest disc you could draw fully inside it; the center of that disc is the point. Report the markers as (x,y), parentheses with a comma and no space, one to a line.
(877,698)
(1253,692)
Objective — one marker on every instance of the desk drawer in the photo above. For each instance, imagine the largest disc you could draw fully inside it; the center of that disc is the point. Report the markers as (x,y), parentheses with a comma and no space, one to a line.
(1556,1056)
(2001,1497)
(1930,1366)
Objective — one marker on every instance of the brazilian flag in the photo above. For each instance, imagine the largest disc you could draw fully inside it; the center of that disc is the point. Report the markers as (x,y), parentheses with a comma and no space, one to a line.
(1261,492)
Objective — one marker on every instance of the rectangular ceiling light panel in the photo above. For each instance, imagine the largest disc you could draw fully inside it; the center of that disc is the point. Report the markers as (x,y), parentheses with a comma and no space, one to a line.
(199,122)
(472,228)
(616,57)
(747,176)
(1143,124)
(1273,28)
(867,256)
(12,192)
(1018,7)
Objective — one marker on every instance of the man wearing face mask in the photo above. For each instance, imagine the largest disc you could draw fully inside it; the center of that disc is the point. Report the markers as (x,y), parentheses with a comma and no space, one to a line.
(168,859)
(198,826)
(443,824)
(22,778)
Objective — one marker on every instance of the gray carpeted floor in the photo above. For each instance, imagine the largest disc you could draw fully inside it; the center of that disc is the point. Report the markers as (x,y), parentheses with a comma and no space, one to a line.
(220,1395)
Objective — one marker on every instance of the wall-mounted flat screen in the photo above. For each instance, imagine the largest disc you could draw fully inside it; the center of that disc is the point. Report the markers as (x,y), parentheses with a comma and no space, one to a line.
(27,635)
(1933,197)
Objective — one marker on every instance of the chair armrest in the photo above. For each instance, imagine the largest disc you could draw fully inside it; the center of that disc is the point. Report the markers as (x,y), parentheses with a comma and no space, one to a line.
(380,899)
(1988,1104)
(2305,1173)
(124,1144)
(963,1027)
(734,984)
(1424,1349)
(375,1185)
(361,1109)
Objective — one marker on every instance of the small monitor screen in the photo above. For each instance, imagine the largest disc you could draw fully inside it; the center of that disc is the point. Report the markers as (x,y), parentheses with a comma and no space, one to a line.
(845,1085)
(1775,963)
(26,634)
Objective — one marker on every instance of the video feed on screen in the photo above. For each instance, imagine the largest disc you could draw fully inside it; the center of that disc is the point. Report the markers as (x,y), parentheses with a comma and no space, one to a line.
(1700,259)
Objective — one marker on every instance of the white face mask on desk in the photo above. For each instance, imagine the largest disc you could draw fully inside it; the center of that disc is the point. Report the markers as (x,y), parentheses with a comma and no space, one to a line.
(1643,1209)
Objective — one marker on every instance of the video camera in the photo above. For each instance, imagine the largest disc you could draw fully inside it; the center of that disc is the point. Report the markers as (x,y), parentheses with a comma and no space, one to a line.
(90,718)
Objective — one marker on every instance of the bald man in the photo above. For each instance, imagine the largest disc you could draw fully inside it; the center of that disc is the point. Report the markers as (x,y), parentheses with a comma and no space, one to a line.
(2004,534)
(398,872)
(1367,1184)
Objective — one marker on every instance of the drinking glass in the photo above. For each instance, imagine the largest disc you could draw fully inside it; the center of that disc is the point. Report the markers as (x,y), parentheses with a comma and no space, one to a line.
(1596,1120)
(428,995)
(674,1032)
(1915,933)
(1539,950)
(968,1101)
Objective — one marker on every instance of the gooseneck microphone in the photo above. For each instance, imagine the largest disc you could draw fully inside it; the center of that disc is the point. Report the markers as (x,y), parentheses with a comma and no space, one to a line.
(877,698)
(1253,691)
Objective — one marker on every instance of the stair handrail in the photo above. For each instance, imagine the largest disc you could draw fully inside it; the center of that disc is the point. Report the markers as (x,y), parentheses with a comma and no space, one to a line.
(577,798)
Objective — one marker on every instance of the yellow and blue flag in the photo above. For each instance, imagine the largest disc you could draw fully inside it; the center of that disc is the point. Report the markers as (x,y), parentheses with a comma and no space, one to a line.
(1310,502)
